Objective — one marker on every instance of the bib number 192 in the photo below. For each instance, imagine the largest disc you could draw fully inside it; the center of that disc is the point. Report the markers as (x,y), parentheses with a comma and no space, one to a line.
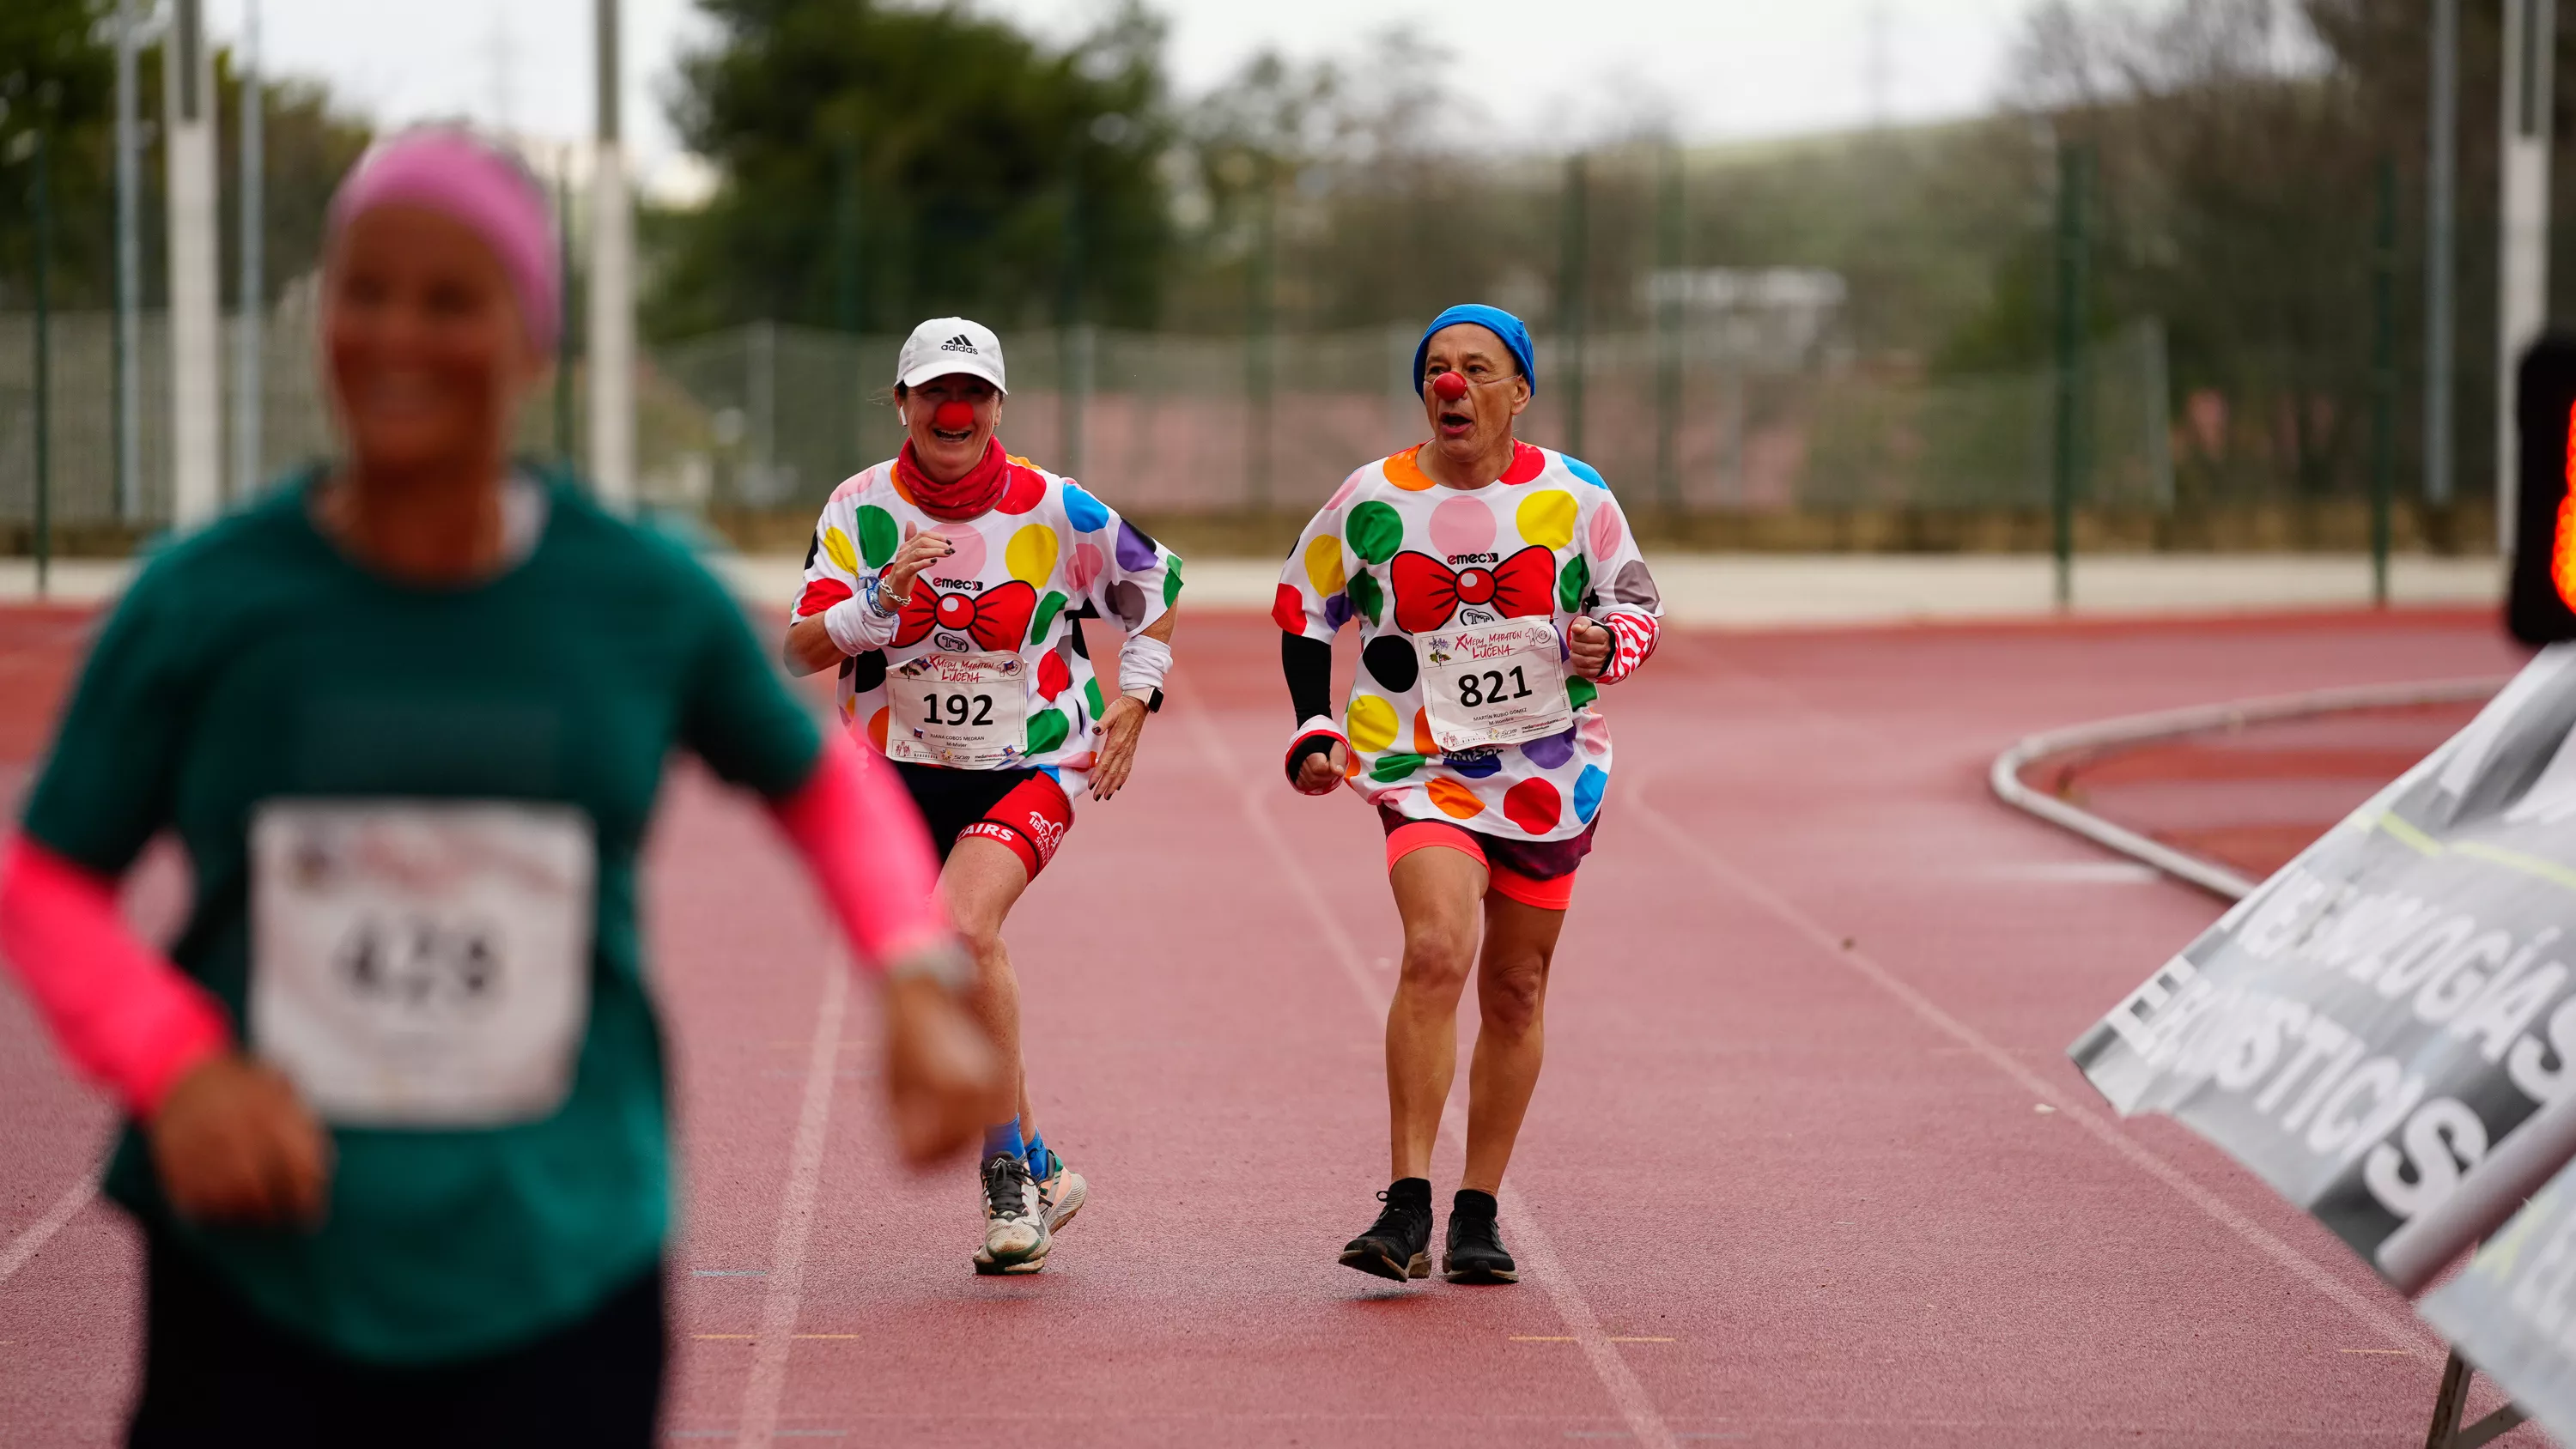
(958,709)
(1487,688)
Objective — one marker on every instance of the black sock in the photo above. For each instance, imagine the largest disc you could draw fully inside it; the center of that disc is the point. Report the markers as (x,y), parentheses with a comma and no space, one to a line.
(1409,1192)
(1470,1203)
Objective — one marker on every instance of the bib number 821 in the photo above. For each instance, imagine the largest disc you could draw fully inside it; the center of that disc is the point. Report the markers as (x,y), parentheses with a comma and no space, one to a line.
(1487,688)
(959,709)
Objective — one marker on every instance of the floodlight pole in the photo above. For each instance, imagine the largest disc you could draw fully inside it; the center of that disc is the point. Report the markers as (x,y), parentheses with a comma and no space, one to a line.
(128,341)
(196,382)
(2522,263)
(612,289)
(249,383)
(2441,207)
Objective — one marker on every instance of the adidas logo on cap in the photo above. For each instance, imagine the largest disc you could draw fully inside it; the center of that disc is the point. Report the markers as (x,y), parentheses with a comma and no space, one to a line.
(959,343)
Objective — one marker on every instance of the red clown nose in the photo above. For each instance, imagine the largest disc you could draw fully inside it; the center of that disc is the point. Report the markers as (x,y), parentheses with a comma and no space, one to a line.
(953,416)
(1449,387)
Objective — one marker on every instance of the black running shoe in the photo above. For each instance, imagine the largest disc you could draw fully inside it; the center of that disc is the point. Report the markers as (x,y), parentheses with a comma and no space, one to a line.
(1476,1253)
(1398,1244)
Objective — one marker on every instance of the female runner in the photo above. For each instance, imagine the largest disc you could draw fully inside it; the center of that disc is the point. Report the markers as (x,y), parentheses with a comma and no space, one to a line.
(1496,587)
(396,1134)
(949,584)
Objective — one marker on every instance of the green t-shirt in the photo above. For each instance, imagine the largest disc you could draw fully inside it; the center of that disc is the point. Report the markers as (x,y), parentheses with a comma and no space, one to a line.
(255,661)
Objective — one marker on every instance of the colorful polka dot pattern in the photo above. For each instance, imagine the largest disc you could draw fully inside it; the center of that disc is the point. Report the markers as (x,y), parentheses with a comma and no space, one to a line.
(1546,519)
(876,537)
(1045,534)
(1031,556)
(1369,724)
(1342,570)
(1324,565)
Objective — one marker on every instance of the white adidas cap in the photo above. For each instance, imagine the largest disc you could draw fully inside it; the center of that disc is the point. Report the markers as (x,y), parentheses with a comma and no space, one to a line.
(944,345)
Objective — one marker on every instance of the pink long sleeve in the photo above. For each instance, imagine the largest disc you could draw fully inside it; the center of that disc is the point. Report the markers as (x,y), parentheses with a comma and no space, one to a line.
(870,855)
(125,1016)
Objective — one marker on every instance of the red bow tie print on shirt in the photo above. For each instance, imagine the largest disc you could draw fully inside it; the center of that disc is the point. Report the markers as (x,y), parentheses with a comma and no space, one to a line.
(1428,592)
(995,619)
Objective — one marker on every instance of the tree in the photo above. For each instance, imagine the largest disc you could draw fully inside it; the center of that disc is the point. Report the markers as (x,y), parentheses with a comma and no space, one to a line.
(987,173)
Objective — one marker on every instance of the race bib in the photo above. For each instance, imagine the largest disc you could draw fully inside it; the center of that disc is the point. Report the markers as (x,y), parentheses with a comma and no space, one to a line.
(422,963)
(965,711)
(1496,685)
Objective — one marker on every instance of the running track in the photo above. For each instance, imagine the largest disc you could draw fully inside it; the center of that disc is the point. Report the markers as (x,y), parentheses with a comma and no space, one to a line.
(1791,1178)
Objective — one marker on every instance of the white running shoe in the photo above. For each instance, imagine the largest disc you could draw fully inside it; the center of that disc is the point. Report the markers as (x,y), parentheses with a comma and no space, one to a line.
(1015,1218)
(1062,1190)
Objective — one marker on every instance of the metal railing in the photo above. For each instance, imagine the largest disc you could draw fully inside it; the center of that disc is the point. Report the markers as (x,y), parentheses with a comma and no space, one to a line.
(768,416)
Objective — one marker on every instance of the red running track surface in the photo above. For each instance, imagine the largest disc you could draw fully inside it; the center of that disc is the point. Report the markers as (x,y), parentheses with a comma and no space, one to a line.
(1788,1180)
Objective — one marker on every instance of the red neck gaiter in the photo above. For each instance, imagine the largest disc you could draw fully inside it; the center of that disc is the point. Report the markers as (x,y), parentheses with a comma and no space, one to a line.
(968,497)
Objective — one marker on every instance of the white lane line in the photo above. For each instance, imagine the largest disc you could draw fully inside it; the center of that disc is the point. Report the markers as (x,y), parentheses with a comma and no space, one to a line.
(42,1230)
(1535,1249)
(779,1307)
(2387,1325)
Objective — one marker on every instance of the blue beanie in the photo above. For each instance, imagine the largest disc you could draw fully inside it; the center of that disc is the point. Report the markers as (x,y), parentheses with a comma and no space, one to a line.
(1493,319)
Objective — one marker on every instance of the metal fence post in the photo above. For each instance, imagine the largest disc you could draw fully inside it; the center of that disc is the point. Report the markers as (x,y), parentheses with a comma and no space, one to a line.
(760,391)
(566,349)
(2072,168)
(129,272)
(44,199)
(2383,377)
(1258,361)
(250,388)
(2159,399)
(1570,296)
(1668,335)
(2441,172)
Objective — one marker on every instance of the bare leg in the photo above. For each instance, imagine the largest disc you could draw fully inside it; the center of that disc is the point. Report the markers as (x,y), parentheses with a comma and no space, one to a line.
(981,881)
(1511,999)
(1436,892)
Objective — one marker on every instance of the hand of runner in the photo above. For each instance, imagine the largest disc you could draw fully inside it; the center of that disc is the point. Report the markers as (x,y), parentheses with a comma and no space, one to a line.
(235,1145)
(1119,730)
(918,553)
(1589,645)
(1322,774)
(943,1081)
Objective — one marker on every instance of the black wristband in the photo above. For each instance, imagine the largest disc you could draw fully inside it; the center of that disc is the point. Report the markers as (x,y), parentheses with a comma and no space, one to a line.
(1309,746)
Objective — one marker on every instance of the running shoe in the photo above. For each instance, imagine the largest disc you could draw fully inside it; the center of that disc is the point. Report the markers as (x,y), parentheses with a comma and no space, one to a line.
(1397,1245)
(1476,1253)
(1062,1190)
(1015,1225)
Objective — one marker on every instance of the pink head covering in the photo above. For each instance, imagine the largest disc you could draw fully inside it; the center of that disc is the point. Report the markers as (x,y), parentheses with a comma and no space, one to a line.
(454,173)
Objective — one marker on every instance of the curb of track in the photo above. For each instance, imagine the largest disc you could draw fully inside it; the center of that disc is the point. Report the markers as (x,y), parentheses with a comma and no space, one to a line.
(2004,776)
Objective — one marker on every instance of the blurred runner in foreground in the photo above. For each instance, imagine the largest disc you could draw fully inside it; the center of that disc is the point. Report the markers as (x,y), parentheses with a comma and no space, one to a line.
(949,585)
(1496,587)
(396,1128)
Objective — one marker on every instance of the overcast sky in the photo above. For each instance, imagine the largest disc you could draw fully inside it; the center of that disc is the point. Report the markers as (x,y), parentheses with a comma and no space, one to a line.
(1541,69)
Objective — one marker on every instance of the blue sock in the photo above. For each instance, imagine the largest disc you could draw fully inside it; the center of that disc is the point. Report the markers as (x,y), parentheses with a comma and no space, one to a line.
(1037,1154)
(1004,1141)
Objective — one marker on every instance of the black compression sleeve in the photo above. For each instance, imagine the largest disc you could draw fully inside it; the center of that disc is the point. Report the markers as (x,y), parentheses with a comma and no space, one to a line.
(1308,665)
